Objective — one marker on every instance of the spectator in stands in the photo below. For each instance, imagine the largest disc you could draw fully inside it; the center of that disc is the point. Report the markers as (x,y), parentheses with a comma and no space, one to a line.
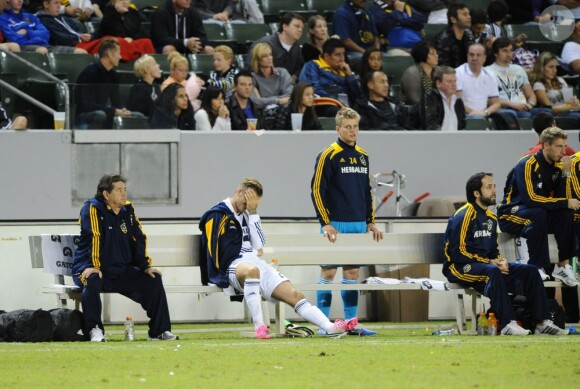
(145,92)
(317,35)
(399,24)
(178,70)
(371,60)
(213,114)
(119,20)
(355,27)
(112,257)
(8,46)
(436,10)
(444,111)
(377,113)
(572,5)
(535,204)
(233,258)
(515,92)
(571,50)
(526,11)
(478,26)
(474,260)
(301,101)
(178,27)
(26,30)
(223,75)
(497,11)
(331,75)
(97,93)
(272,85)
(82,10)
(452,42)
(549,88)
(541,121)
(417,80)
(240,104)
(173,110)
(230,11)
(285,46)
(19,122)
(476,86)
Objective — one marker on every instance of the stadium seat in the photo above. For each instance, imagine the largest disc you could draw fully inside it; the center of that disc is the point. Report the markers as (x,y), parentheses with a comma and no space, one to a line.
(246,34)
(201,63)
(68,66)
(430,30)
(324,7)
(541,46)
(328,124)
(130,123)
(567,123)
(94,29)
(525,123)
(241,60)
(533,33)
(214,31)
(23,73)
(395,66)
(272,8)
(478,125)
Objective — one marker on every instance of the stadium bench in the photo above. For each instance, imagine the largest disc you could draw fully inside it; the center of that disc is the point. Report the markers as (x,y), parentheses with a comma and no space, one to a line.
(290,250)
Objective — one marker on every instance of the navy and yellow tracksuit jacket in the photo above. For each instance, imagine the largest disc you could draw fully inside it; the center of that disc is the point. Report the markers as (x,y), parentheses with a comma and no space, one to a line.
(341,189)
(470,237)
(109,242)
(533,182)
(573,184)
(221,241)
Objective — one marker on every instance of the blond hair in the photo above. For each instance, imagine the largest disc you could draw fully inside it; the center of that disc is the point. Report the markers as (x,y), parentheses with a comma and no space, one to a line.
(346,113)
(253,183)
(550,134)
(142,64)
(175,59)
(226,51)
(258,52)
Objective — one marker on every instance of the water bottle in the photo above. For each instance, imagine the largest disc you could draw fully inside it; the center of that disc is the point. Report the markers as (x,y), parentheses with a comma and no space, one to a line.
(129,329)
(444,332)
(492,324)
(482,324)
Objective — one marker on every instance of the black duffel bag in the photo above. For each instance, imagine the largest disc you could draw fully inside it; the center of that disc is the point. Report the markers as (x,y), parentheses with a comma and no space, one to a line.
(26,325)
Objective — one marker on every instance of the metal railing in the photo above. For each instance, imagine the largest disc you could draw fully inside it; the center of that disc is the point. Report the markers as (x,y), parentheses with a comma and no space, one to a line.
(63,85)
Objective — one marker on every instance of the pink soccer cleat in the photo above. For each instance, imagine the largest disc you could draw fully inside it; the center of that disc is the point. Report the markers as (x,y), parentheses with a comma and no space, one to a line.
(341,327)
(262,333)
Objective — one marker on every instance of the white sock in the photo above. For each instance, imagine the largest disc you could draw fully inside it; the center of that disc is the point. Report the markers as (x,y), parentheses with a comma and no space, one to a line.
(522,246)
(254,300)
(313,314)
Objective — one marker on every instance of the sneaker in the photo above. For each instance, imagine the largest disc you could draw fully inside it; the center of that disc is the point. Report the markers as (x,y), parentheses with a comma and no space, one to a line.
(547,327)
(97,335)
(361,332)
(341,327)
(262,332)
(513,328)
(543,274)
(321,332)
(565,274)
(165,336)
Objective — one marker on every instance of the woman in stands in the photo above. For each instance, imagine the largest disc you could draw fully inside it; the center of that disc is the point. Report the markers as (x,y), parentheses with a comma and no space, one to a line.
(213,114)
(173,110)
(178,71)
(123,22)
(145,92)
(301,101)
(272,86)
(371,60)
(317,35)
(417,80)
(549,88)
(223,75)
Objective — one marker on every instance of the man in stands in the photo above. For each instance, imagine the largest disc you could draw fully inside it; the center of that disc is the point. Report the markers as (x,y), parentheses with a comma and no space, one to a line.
(473,260)
(444,111)
(178,27)
(377,112)
(452,42)
(285,46)
(240,104)
(476,86)
(355,27)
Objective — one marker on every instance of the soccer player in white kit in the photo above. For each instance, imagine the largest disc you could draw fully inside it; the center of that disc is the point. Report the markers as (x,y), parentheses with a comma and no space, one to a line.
(233,239)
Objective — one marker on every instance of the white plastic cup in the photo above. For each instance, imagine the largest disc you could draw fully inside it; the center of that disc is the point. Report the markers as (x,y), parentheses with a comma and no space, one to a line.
(252,124)
(59,118)
(343,98)
(297,121)
(567,94)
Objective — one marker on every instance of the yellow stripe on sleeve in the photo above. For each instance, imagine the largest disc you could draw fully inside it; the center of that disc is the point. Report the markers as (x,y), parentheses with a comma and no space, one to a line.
(96,246)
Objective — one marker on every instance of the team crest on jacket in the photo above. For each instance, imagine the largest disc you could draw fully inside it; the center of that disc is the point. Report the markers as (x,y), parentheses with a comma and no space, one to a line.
(540,185)
(467,268)
(124,228)
(515,209)
(363,161)
(489,225)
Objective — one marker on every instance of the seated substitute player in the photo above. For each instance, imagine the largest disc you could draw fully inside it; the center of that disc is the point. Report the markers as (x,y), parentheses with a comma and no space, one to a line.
(535,205)
(233,239)
(474,260)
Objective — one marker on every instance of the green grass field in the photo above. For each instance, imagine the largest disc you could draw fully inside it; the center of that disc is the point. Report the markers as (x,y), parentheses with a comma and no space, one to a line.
(216,356)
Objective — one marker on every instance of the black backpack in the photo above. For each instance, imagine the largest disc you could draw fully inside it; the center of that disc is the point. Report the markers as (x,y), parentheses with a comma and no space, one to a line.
(26,325)
(68,325)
